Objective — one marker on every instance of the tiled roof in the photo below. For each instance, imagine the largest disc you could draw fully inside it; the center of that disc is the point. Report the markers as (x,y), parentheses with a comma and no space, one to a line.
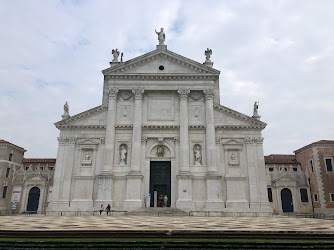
(319,143)
(280,159)
(3,141)
(39,160)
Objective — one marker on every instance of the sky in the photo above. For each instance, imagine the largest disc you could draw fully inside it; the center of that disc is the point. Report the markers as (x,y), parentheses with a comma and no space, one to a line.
(280,53)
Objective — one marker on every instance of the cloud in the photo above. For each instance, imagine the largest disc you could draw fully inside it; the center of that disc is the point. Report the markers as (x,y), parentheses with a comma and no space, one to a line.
(277,52)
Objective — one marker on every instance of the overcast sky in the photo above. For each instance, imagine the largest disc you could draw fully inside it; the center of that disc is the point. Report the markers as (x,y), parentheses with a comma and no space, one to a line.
(279,53)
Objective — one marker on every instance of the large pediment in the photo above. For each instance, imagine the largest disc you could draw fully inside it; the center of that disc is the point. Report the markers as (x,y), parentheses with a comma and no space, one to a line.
(92,118)
(229,118)
(172,63)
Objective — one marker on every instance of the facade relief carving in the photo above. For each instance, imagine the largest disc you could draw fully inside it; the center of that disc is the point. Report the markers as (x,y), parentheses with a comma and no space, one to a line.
(233,158)
(138,93)
(125,94)
(196,95)
(254,140)
(183,93)
(113,93)
(87,161)
(209,94)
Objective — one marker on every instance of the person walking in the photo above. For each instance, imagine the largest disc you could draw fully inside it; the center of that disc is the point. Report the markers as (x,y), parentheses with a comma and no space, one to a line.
(165,200)
(101,209)
(108,209)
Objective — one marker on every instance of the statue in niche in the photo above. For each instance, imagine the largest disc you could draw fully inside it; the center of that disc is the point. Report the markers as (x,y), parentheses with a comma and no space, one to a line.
(87,156)
(196,112)
(123,152)
(197,155)
(233,159)
(161,36)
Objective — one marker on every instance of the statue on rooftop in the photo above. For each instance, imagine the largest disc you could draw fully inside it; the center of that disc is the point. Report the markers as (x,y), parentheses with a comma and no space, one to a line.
(161,36)
(208,54)
(115,54)
(255,109)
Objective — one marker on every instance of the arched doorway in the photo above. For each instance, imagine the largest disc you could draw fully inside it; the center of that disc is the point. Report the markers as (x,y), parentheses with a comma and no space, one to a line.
(33,200)
(286,197)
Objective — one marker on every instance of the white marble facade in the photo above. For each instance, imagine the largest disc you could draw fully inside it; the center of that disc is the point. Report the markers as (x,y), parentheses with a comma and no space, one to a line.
(160,107)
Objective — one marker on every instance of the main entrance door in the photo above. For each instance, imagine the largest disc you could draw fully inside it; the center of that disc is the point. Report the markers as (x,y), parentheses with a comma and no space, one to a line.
(160,181)
(286,197)
(33,199)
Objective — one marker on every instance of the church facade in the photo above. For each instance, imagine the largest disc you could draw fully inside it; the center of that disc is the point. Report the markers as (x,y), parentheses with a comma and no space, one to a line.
(160,130)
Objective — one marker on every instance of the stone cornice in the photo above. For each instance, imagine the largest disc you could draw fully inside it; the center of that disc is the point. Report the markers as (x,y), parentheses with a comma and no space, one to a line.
(168,55)
(86,113)
(160,127)
(82,126)
(240,116)
(314,145)
(165,77)
(238,127)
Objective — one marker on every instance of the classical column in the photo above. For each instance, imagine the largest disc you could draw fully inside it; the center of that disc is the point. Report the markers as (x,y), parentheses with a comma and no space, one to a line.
(210,132)
(137,131)
(184,178)
(184,134)
(213,179)
(110,132)
(134,178)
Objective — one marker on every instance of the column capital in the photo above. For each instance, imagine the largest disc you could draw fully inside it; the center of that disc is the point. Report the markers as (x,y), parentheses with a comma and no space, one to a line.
(138,93)
(183,93)
(112,93)
(209,94)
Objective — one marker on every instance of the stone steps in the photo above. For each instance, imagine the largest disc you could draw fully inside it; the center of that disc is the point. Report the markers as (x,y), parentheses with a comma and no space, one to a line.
(158,211)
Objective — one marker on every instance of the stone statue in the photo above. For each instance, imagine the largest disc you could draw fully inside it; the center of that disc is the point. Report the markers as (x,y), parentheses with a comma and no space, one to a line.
(66,111)
(160,151)
(115,53)
(208,54)
(123,154)
(255,109)
(161,36)
(66,108)
(87,161)
(87,156)
(197,155)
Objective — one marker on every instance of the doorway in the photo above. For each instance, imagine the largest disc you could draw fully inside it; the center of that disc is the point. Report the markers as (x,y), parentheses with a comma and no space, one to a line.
(33,200)
(160,181)
(286,197)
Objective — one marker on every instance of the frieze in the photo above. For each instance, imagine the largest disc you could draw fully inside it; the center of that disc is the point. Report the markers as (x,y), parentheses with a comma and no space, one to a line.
(238,127)
(254,140)
(82,126)
(196,95)
(66,140)
(162,77)
(125,94)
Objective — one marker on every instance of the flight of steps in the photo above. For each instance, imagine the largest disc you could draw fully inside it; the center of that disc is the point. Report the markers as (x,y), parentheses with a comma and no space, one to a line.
(158,211)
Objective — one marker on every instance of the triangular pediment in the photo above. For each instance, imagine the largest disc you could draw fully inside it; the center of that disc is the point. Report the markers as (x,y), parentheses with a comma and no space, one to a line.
(172,64)
(229,118)
(92,118)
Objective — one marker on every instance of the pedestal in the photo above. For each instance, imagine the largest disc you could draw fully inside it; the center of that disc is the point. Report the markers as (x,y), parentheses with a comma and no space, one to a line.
(214,193)
(185,201)
(104,193)
(133,190)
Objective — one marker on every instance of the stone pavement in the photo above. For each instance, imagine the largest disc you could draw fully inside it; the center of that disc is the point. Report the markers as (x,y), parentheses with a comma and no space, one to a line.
(148,223)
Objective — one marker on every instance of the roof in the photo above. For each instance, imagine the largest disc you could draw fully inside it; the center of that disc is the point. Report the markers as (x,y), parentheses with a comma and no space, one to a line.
(280,159)
(39,160)
(320,143)
(3,141)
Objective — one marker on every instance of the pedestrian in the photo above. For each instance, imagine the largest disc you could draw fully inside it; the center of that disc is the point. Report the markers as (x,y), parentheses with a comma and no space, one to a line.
(165,200)
(161,200)
(108,209)
(101,209)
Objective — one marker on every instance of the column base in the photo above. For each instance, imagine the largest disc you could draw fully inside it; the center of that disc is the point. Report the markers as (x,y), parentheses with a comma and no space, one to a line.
(133,204)
(133,190)
(216,205)
(186,205)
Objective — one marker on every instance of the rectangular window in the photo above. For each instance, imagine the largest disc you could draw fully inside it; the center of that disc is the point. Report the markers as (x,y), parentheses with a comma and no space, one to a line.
(10,157)
(331,195)
(4,192)
(311,166)
(329,165)
(27,168)
(50,168)
(303,195)
(315,197)
(41,168)
(7,172)
(270,195)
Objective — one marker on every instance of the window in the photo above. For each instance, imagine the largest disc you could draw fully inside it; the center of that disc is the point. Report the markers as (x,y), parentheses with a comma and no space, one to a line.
(271,169)
(329,165)
(303,195)
(7,172)
(294,169)
(331,196)
(285,169)
(10,157)
(26,168)
(310,162)
(270,195)
(315,197)
(51,168)
(41,168)
(4,192)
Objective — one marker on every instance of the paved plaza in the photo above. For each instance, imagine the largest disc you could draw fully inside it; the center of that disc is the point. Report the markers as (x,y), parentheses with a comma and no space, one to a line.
(149,223)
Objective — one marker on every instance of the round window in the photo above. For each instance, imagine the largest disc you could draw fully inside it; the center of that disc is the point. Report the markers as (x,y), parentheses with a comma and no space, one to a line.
(161,67)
